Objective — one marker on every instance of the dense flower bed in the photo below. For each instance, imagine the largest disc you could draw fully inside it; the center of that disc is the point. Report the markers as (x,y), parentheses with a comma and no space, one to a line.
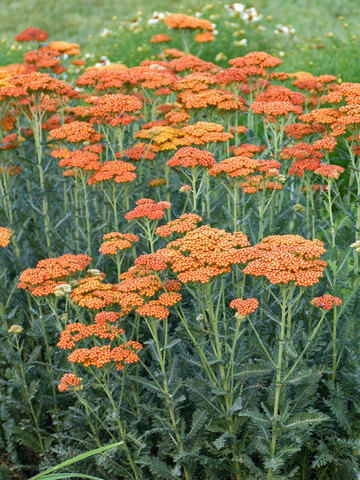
(185,242)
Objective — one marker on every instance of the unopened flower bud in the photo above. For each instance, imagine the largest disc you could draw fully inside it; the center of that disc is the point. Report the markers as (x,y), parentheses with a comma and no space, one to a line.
(15,330)
(239,317)
(200,317)
(93,272)
(299,208)
(62,290)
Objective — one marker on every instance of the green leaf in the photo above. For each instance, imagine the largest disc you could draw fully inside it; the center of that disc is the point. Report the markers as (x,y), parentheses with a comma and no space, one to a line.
(75,460)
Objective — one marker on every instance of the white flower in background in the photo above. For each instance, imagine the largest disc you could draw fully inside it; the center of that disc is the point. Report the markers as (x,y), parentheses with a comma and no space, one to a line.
(285,30)
(235,8)
(241,43)
(156,17)
(250,15)
(105,33)
(198,14)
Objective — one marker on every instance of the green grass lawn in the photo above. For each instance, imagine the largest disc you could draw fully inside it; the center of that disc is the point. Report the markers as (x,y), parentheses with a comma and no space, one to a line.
(326,36)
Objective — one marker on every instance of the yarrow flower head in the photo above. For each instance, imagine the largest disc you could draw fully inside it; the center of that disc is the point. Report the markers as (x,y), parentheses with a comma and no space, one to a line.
(185,223)
(5,236)
(190,157)
(69,380)
(116,242)
(147,208)
(204,253)
(244,307)
(326,301)
(287,258)
(52,273)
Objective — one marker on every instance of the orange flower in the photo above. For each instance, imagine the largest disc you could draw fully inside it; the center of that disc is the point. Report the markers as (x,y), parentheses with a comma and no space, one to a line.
(185,223)
(326,301)
(32,33)
(189,157)
(140,151)
(244,166)
(221,99)
(117,170)
(204,37)
(201,133)
(65,47)
(204,253)
(68,380)
(100,356)
(112,108)
(329,171)
(147,208)
(115,242)
(275,109)
(181,21)
(258,59)
(244,307)
(287,258)
(160,38)
(76,132)
(51,272)
(5,236)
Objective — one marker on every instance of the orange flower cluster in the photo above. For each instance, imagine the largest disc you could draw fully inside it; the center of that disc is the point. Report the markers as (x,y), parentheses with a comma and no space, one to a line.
(75,332)
(244,307)
(36,82)
(5,236)
(256,183)
(107,77)
(44,58)
(77,159)
(160,38)
(248,150)
(204,37)
(153,261)
(140,151)
(194,82)
(256,59)
(326,301)
(76,132)
(329,171)
(287,258)
(117,170)
(69,380)
(204,253)
(193,64)
(52,272)
(185,223)
(299,130)
(190,157)
(157,182)
(275,109)
(32,34)
(115,242)
(277,93)
(65,47)
(181,21)
(147,208)
(94,294)
(141,281)
(220,99)
(113,108)
(230,75)
(100,356)
(243,166)
(162,138)
(201,133)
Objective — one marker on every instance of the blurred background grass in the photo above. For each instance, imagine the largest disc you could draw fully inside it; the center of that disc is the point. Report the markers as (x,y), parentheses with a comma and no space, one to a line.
(326,38)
